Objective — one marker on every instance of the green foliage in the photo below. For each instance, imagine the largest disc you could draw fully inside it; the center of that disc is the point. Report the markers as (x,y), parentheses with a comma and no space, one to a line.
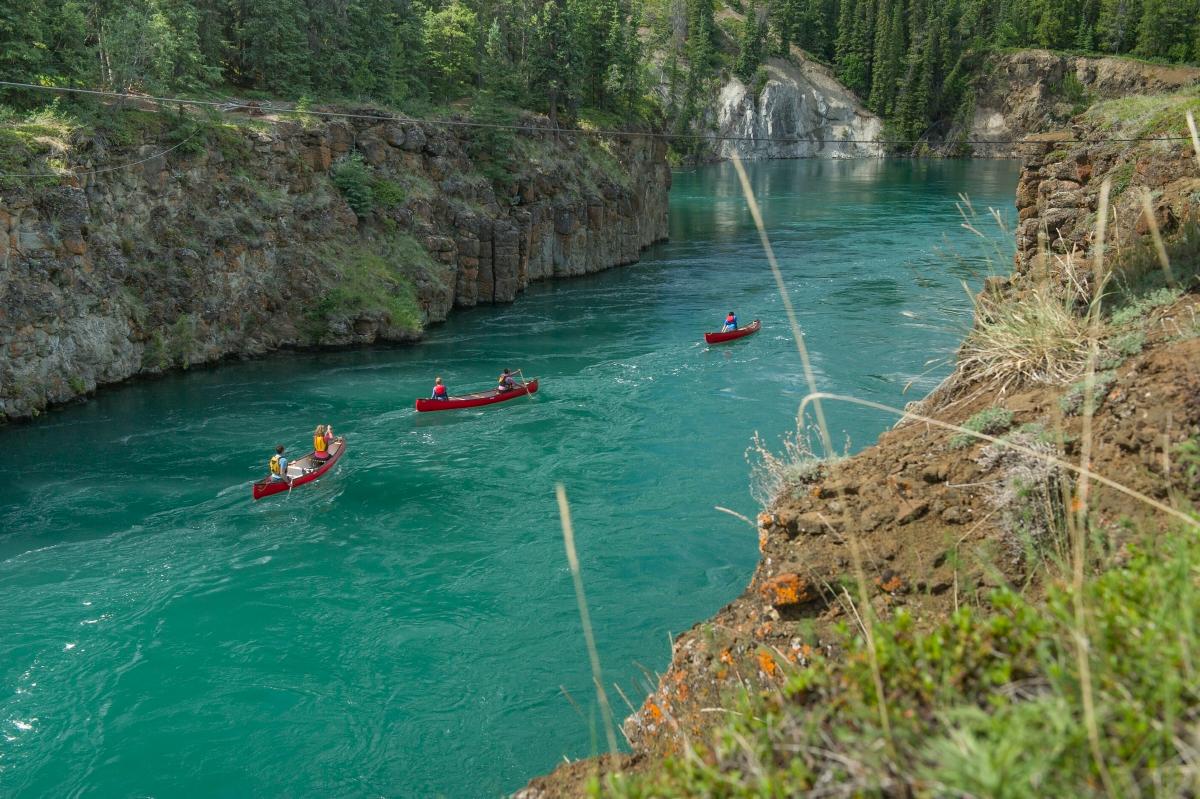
(1122,346)
(353,180)
(752,40)
(550,55)
(373,277)
(493,149)
(450,40)
(989,421)
(1135,308)
(987,703)
(386,193)
(1072,403)
(1187,461)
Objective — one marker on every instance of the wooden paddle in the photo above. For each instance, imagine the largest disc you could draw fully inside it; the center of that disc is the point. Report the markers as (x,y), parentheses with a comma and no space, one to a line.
(524,384)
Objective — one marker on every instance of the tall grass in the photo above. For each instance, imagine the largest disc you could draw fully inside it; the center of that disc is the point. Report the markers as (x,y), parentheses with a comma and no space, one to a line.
(1093,690)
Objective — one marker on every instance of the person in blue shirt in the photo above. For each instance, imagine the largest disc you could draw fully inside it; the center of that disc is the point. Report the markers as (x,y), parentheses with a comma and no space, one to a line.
(730,323)
(278,465)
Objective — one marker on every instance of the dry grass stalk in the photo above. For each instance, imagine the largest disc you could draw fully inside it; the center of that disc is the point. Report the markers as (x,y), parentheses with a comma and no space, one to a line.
(1079,531)
(1159,248)
(564,511)
(1191,120)
(1037,340)
(797,335)
(867,620)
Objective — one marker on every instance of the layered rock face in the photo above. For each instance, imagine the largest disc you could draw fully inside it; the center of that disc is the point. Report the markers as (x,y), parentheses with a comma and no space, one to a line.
(1032,91)
(801,112)
(914,490)
(237,242)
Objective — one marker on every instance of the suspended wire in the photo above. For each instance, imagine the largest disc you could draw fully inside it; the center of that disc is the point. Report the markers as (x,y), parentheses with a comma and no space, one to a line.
(74,173)
(236,105)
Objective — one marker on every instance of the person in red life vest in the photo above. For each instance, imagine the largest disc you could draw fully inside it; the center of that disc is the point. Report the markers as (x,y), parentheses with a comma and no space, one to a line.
(730,322)
(439,390)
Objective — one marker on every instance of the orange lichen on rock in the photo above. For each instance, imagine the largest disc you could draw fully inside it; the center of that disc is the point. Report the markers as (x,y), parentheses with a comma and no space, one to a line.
(767,664)
(726,656)
(785,590)
(890,582)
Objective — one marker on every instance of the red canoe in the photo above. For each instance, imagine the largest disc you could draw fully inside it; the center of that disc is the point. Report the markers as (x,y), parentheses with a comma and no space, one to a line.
(477,399)
(717,338)
(301,471)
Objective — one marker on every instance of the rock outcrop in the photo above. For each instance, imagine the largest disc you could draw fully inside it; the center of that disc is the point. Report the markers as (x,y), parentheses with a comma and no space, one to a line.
(920,520)
(927,521)
(235,241)
(802,111)
(1033,91)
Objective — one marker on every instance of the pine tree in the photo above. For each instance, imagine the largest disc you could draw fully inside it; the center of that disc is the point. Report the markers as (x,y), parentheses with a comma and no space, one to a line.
(1165,29)
(751,45)
(1117,26)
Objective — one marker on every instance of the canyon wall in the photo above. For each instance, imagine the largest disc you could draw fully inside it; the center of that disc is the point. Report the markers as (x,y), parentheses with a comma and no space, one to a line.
(801,111)
(172,240)
(1033,91)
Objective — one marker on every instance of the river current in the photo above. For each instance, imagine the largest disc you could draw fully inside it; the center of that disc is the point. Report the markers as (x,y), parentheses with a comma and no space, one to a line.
(407,626)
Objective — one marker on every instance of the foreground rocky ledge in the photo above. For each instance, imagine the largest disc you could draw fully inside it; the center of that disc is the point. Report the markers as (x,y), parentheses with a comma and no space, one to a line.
(928,520)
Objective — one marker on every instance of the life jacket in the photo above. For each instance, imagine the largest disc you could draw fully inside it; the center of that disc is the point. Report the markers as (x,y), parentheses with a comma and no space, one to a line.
(439,390)
(731,320)
(274,464)
(319,443)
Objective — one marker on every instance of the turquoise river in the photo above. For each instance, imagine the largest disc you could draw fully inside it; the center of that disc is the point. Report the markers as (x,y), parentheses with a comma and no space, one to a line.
(407,626)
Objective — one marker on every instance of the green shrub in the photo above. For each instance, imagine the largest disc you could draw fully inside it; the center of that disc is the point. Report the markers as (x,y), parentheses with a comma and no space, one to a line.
(1136,309)
(1122,346)
(1071,403)
(387,193)
(352,179)
(1187,459)
(759,82)
(989,421)
(373,277)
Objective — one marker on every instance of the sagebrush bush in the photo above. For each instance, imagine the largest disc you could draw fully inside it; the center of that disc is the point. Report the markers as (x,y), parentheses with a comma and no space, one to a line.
(773,476)
(989,421)
(1072,403)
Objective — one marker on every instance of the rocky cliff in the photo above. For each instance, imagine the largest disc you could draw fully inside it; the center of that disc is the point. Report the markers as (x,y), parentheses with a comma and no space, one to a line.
(800,111)
(155,240)
(1033,91)
(928,520)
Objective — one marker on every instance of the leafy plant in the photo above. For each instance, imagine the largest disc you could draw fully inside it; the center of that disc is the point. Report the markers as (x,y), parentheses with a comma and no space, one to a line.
(990,421)
(1071,403)
(352,179)
(1137,308)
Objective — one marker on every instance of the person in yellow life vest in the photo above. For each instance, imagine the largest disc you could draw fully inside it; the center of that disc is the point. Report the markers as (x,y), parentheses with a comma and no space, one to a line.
(278,465)
(320,446)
